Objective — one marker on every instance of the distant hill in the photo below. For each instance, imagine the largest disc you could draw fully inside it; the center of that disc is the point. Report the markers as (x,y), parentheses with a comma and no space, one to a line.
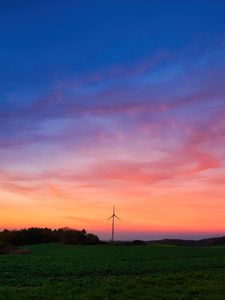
(66,235)
(215,241)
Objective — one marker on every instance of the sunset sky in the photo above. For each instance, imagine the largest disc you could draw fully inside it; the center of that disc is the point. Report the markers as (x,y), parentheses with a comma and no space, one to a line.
(113,102)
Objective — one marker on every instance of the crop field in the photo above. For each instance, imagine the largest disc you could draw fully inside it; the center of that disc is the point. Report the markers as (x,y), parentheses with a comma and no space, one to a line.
(55,271)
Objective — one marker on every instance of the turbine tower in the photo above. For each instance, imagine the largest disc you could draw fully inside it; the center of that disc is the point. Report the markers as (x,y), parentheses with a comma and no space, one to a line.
(113,222)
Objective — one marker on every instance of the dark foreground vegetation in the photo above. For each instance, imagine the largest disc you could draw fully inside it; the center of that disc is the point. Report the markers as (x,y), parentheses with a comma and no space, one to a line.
(66,235)
(45,235)
(97,272)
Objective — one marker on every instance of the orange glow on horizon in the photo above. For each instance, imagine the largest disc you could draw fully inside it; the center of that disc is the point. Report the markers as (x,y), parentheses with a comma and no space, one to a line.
(163,211)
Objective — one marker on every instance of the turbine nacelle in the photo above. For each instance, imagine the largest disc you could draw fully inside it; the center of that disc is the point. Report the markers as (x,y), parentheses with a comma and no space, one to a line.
(113,217)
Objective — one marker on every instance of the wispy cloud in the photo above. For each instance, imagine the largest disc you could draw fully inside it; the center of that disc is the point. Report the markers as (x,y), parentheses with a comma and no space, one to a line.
(127,132)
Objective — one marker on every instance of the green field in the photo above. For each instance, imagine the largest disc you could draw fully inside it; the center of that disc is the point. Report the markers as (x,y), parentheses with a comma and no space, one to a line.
(55,271)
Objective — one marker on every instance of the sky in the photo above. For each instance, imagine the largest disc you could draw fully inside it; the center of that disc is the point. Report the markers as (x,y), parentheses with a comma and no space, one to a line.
(113,103)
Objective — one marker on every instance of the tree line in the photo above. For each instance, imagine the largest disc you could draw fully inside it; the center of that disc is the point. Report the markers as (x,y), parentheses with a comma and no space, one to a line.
(36,235)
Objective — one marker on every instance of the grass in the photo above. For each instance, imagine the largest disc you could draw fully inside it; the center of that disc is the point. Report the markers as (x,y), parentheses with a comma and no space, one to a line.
(55,271)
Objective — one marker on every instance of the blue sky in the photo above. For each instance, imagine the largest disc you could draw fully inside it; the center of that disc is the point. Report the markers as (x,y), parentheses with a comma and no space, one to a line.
(46,40)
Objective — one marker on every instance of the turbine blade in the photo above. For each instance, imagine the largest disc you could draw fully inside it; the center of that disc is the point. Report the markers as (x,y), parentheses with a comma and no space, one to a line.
(110,217)
(117,217)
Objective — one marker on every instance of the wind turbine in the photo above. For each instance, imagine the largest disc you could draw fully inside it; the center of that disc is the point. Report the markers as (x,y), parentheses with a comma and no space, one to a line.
(113,222)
